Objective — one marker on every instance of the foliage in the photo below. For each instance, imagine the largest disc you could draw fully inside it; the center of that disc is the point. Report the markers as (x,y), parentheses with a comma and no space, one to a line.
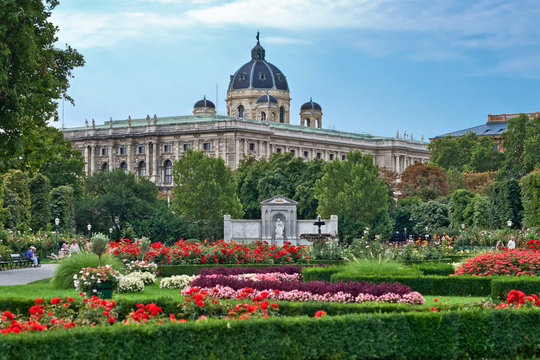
(478,182)
(379,267)
(204,190)
(428,182)
(63,274)
(176,281)
(501,286)
(129,283)
(39,187)
(16,200)
(433,214)
(112,198)
(530,198)
(89,278)
(353,190)
(459,202)
(63,207)
(327,250)
(505,203)
(435,268)
(401,215)
(521,143)
(98,245)
(468,152)
(455,181)
(33,76)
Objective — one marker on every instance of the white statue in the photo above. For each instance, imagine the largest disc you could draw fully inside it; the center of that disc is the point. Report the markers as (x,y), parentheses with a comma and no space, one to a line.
(279,229)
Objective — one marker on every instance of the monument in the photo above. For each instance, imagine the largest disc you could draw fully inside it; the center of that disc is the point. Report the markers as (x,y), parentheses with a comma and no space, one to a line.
(278,223)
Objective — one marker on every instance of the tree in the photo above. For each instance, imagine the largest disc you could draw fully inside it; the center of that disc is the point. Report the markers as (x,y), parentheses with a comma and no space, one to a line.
(40,198)
(401,215)
(352,189)
(425,181)
(531,148)
(505,202)
(530,197)
(434,214)
(33,74)
(478,182)
(204,190)
(17,200)
(63,207)
(114,198)
(521,143)
(459,202)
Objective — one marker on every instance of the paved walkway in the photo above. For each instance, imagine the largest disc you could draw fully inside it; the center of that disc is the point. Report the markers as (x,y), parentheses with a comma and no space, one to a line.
(26,275)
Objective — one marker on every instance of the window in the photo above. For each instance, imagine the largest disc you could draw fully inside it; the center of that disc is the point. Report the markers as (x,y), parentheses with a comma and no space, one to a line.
(123,166)
(318,155)
(186,146)
(104,151)
(242,76)
(281,114)
(331,157)
(308,122)
(141,169)
(293,152)
(262,116)
(82,152)
(278,150)
(122,150)
(167,148)
(141,149)
(279,77)
(207,146)
(262,76)
(306,154)
(251,146)
(167,172)
(105,167)
(240,112)
(343,157)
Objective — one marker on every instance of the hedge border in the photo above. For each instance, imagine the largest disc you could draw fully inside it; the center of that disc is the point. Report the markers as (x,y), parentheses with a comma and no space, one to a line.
(496,334)
(502,285)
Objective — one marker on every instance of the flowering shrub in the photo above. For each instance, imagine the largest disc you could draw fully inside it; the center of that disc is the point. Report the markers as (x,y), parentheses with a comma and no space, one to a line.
(512,262)
(89,278)
(518,299)
(219,252)
(176,282)
(43,241)
(219,270)
(146,277)
(142,266)
(129,283)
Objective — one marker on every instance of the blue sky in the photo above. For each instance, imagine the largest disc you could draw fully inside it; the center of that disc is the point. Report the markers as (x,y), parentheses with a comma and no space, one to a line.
(421,66)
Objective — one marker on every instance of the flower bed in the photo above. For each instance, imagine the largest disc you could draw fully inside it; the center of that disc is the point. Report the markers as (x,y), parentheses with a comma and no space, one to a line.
(511,263)
(89,278)
(219,252)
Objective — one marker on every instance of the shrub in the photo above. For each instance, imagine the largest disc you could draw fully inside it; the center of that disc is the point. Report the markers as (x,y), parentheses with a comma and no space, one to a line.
(511,262)
(435,268)
(146,277)
(530,197)
(88,279)
(63,274)
(98,245)
(500,286)
(323,273)
(176,282)
(129,283)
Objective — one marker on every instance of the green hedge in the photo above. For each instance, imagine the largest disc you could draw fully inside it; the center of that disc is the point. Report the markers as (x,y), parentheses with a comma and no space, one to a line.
(435,268)
(430,285)
(491,334)
(195,269)
(500,286)
(318,273)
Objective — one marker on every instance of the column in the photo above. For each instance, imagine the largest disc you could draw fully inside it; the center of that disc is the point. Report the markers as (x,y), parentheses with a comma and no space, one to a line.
(216,145)
(111,156)
(129,156)
(155,174)
(236,152)
(267,151)
(87,152)
(147,148)
(396,164)
(93,160)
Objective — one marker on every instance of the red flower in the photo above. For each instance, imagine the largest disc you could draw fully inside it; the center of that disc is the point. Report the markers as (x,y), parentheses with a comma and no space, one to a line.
(434,309)
(70,299)
(320,313)
(39,300)
(111,320)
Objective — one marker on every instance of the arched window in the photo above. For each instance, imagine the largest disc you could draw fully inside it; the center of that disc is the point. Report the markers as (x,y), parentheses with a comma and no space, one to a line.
(308,122)
(262,116)
(167,172)
(141,169)
(281,114)
(105,167)
(123,166)
(240,112)
(318,122)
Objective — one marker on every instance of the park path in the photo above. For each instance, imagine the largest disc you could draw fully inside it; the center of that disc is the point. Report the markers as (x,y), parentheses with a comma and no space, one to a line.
(26,275)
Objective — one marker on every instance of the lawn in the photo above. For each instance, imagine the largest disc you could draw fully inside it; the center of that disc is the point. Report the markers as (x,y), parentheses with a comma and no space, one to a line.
(43,288)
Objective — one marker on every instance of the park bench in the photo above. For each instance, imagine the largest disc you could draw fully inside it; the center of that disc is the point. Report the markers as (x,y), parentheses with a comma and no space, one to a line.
(4,263)
(19,260)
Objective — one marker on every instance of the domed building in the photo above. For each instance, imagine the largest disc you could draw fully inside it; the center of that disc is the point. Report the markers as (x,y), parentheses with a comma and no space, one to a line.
(257,124)
(252,81)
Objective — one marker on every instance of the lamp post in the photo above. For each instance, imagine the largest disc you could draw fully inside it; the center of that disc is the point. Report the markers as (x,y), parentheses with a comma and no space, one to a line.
(509,223)
(462,236)
(56,223)
(110,234)
(89,227)
(427,232)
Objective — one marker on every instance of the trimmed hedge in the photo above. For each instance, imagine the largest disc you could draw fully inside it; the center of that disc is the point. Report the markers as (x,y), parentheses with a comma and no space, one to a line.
(501,286)
(195,269)
(320,273)
(496,334)
(435,268)
(430,285)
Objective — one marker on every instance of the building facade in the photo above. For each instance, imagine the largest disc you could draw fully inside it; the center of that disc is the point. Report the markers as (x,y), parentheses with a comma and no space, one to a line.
(257,124)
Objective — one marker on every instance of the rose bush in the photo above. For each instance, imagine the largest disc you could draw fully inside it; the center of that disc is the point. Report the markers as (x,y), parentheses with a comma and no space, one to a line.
(511,263)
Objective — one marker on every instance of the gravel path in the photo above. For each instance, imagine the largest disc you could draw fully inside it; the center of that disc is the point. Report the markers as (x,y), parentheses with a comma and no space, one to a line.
(26,275)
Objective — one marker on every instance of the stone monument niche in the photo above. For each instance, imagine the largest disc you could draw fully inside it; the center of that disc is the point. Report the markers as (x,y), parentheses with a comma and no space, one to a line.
(278,224)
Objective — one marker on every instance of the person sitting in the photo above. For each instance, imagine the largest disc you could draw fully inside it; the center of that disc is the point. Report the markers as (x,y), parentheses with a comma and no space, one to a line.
(31,254)
(74,248)
(499,245)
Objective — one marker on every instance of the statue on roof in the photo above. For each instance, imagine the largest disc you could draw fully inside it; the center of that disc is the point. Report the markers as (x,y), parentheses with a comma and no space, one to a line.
(257,37)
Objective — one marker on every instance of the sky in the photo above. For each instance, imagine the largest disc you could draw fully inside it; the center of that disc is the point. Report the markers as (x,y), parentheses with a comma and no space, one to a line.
(375,66)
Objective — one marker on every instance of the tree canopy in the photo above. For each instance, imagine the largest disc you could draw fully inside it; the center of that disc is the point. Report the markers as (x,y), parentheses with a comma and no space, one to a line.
(34,74)
(425,181)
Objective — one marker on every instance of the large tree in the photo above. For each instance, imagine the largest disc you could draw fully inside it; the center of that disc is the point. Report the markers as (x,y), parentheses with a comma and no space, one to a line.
(34,74)
(521,142)
(425,181)
(353,190)
(204,190)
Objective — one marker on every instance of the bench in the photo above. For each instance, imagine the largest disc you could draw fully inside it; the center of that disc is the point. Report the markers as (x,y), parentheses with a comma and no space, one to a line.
(4,263)
(19,260)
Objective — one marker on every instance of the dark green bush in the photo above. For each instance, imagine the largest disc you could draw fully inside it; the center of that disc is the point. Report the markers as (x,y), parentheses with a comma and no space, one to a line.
(501,286)
(435,268)
(430,285)
(318,273)
(492,334)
